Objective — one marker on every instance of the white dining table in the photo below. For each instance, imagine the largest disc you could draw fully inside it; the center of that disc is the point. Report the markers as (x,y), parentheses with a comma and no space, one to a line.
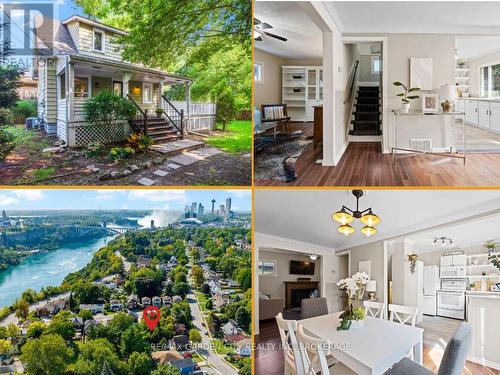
(372,349)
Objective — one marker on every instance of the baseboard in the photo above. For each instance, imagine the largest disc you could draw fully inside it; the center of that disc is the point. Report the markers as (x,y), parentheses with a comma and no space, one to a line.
(365,138)
(341,153)
(484,362)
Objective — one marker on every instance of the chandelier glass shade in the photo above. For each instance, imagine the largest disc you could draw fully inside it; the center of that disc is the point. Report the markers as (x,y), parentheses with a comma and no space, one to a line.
(346,216)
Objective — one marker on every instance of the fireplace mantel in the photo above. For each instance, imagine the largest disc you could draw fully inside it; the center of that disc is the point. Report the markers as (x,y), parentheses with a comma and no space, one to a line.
(297,285)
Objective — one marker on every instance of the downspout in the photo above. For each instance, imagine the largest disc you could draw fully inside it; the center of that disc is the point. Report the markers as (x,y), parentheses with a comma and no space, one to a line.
(67,93)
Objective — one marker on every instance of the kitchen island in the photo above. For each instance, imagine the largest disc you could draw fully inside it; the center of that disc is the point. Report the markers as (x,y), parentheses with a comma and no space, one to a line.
(483,312)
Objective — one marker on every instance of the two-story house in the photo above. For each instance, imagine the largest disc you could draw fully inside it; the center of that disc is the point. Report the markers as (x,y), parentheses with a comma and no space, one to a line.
(79,58)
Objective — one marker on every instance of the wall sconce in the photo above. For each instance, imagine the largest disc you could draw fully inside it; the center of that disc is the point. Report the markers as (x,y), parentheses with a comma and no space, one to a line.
(136,90)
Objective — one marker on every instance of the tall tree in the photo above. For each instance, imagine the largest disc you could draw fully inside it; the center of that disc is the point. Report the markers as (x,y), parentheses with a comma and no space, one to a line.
(9,76)
(47,355)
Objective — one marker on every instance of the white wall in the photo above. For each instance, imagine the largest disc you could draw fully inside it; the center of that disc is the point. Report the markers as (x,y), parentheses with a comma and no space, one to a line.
(274,285)
(402,47)
(329,267)
(374,252)
(268,92)
(365,69)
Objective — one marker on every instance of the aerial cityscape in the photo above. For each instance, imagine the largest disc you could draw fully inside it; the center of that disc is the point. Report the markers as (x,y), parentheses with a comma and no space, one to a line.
(77,286)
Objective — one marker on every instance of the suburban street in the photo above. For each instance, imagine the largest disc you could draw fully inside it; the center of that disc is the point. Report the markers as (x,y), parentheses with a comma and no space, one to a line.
(208,351)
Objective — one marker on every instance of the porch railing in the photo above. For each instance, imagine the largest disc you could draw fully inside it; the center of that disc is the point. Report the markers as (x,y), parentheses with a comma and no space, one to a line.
(174,116)
(140,120)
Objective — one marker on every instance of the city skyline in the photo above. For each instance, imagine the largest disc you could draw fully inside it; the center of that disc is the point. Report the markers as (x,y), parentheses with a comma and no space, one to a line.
(110,199)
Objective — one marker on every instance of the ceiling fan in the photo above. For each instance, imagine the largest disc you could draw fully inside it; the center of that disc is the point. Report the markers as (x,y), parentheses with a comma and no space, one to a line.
(260,28)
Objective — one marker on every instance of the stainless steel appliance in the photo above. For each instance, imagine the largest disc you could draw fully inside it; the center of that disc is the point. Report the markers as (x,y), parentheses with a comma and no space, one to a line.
(451,298)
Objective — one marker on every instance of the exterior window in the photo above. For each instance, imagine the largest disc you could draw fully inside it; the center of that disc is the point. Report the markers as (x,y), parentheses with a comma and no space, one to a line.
(62,86)
(376,65)
(98,41)
(258,72)
(118,88)
(147,92)
(81,87)
(489,80)
(267,268)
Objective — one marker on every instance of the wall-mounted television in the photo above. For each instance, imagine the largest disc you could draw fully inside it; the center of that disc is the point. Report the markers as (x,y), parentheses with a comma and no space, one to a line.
(301,268)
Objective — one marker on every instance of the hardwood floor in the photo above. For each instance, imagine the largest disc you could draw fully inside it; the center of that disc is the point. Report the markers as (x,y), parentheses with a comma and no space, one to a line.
(363,164)
(269,358)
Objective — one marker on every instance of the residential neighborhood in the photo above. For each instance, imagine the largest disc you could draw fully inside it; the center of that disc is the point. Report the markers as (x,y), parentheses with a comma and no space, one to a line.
(192,274)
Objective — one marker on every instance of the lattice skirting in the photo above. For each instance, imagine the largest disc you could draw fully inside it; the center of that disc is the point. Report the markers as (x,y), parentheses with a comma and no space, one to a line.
(201,122)
(81,134)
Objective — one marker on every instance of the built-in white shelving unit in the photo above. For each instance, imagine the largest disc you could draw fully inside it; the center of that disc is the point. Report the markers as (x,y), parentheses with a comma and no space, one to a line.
(474,271)
(302,89)
(462,78)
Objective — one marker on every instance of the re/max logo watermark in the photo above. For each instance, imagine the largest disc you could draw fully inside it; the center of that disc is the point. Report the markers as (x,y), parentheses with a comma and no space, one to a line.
(27,30)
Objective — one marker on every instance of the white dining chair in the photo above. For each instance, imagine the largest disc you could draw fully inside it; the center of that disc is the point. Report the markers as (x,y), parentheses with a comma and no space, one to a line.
(375,309)
(291,352)
(403,314)
(315,352)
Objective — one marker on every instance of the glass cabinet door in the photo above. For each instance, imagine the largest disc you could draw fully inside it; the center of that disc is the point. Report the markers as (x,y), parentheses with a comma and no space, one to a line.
(312,81)
(320,84)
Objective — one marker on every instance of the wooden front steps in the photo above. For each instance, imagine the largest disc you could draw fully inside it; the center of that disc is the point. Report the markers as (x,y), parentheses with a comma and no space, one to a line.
(174,147)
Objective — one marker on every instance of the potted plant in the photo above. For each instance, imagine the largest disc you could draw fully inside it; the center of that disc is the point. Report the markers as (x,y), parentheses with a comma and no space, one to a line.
(461,63)
(405,98)
(159,112)
(491,246)
(354,315)
(412,258)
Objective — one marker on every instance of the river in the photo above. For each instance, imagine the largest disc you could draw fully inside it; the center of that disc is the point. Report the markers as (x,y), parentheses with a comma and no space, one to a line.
(47,269)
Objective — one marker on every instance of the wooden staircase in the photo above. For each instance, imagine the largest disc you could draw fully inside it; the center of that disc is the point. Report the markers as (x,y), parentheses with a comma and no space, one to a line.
(166,127)
(367,112)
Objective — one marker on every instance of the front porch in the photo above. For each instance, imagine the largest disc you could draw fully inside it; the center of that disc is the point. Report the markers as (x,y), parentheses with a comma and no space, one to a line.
(79,78)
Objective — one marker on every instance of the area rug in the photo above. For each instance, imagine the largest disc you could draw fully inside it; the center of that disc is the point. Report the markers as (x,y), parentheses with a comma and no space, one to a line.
(277,160)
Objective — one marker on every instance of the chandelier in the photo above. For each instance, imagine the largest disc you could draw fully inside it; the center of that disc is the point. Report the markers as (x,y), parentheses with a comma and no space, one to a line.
(443,241)
(346,216)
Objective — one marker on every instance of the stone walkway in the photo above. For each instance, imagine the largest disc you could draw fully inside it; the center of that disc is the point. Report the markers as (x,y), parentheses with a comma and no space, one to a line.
(177,162)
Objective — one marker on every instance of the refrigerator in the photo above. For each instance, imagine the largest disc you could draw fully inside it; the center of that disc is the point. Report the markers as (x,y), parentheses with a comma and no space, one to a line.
(431,286)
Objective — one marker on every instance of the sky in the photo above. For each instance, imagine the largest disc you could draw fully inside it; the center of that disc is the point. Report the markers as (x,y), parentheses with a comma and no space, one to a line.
(108,199)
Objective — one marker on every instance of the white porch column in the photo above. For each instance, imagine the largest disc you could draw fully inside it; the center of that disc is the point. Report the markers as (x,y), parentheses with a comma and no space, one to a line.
(160,92)
(126,79)
(70,77)
(187,96)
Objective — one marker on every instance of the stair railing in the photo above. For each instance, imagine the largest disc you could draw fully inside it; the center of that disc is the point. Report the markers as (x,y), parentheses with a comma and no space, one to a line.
(351,82)
(140,121)
(174,116)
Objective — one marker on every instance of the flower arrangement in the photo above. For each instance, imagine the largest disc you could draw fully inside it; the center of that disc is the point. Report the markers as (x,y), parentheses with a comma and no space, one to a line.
(491,246)
(412,258)
(355,289)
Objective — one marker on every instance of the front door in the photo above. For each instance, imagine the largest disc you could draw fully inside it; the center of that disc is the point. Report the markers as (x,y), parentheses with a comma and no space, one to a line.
(118,88)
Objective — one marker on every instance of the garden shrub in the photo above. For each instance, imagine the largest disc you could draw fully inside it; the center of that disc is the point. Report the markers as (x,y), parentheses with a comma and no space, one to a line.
(120,153)
(6,143)
(94,149)
(106,109)
(139,142)
(24,109)
(226,109)
(5,117)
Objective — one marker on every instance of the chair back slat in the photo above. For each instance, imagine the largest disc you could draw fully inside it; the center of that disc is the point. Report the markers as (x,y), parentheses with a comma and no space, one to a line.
(375,309)
(288,329)
(313,351)
(403,314)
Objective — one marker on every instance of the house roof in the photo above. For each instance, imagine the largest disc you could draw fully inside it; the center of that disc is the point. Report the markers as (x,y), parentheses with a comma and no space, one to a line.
(94,23)
(166,356)
(51,33)
(183,363)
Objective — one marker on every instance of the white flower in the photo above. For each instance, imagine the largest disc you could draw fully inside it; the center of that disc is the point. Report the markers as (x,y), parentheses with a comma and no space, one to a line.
(361,278)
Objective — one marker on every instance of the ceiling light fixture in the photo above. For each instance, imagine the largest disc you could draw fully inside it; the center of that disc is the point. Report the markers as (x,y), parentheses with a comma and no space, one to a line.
(313,257)
(345,216)
(443,241)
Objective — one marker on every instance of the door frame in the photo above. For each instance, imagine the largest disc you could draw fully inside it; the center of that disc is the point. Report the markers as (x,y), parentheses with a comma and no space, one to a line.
(113,85)
(385,112)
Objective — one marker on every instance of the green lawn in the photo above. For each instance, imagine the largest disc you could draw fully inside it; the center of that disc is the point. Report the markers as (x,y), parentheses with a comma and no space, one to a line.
(220,348)
(237,138)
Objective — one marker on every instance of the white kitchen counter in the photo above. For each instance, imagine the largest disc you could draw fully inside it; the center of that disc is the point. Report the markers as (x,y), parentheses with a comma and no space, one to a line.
(496,100)
(483,310)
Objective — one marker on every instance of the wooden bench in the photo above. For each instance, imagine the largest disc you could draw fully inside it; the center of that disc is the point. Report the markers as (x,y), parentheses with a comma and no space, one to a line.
(282,118)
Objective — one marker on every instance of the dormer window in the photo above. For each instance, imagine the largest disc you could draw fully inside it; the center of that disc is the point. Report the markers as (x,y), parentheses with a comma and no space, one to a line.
(99,40)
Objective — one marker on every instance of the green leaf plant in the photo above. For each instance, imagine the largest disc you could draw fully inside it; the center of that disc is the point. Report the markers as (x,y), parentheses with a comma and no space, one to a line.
(405,98)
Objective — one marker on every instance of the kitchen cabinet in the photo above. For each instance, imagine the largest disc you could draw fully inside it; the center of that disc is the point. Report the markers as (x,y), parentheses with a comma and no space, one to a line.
(495,116)
(471,111)
(483,109)
(459,260)
(460,105)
